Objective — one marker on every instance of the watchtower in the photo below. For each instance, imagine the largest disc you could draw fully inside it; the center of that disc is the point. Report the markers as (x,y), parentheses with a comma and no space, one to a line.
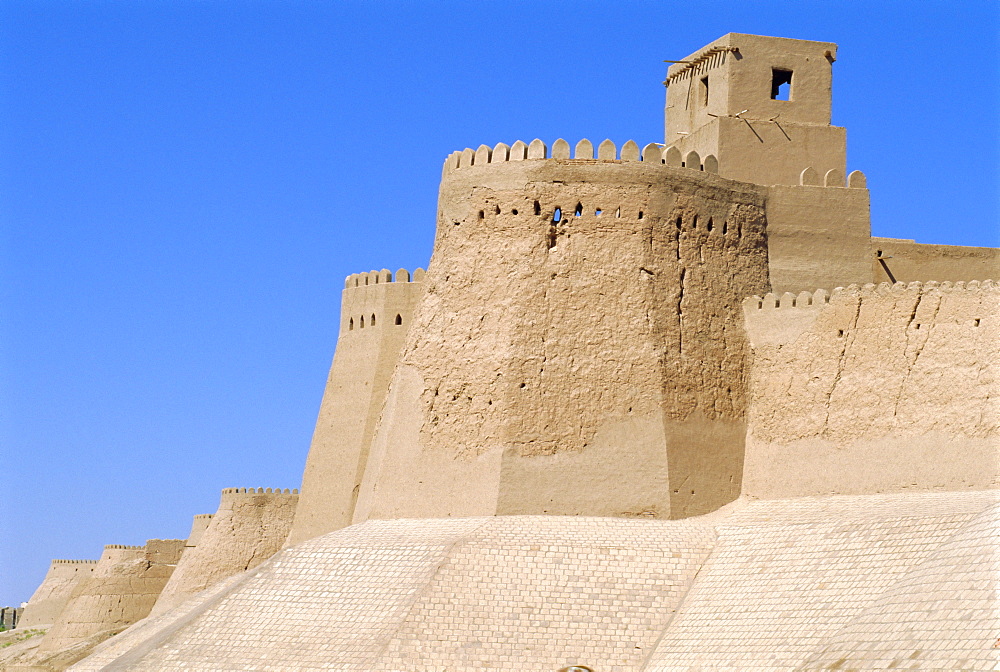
(759,105)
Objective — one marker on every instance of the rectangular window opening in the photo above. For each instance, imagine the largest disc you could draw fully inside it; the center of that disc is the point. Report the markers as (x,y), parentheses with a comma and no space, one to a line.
(704,90)
(781,84)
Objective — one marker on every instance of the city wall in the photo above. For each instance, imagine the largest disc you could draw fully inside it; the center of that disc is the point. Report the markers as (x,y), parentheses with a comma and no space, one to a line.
(579,347)
(249,527)
(54,592)
(874,389)
(122,590)
(376,311)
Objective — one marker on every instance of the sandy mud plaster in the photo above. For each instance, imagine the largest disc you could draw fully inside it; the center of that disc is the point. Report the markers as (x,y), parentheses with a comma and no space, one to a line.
(606,376)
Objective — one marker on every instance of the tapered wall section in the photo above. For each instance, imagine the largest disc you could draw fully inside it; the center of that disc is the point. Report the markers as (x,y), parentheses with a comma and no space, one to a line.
(250,526)
(54,592)
(122,590)
(874,389)
(579,347)
(376,311)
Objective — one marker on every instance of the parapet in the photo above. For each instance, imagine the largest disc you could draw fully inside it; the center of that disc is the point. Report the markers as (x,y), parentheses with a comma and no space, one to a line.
(809,177)
(774,318)
(379,298)
(74,562)
(254,491)
(382,277)
(652,152)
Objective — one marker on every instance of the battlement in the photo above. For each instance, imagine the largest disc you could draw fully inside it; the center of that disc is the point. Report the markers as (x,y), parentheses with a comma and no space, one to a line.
(74,562)
(820,297)
(382,277)
(809,177)
(203,516)
(254,491)
(652,152)
(379,298)
(120,547)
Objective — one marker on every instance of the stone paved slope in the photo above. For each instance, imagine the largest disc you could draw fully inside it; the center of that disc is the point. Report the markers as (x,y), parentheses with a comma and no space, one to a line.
(776,585)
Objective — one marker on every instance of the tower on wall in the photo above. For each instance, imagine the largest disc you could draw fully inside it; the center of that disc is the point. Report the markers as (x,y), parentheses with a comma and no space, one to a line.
(759,105)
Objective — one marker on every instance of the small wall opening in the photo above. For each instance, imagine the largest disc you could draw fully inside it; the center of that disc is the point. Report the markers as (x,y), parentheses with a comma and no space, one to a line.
(362,321)
(710,224)
(557,215)
(640,214)
(597,213)
(538,208)
(482,214)
(399,319)
(579,210)
(704,90)
(350,325)
(781,84)
(514,211)
(373,319)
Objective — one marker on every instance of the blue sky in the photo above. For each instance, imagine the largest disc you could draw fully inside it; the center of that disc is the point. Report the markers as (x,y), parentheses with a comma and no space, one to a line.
(184,186)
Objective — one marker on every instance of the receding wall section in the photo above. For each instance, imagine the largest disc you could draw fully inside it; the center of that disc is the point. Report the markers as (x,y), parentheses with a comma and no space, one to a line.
(121,590)
(249,527)
(52,595)
(576,314)
(376,312)
(895,260)
(818,236)
(874,389)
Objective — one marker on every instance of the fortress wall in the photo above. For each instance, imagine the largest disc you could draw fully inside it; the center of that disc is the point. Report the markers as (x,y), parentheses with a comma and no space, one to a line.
(818,236)
(585,362)
(198,526)
(355,391)
(896,260)
(249,527)
(122,589)
(54,592)
(874,389)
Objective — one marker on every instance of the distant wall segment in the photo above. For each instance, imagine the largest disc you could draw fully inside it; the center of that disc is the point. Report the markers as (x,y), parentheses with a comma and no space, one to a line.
(376,311)
(874,389)
(250,525)
(54,592)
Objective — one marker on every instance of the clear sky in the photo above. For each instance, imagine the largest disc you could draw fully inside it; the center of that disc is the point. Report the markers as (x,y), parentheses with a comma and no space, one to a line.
(184,186)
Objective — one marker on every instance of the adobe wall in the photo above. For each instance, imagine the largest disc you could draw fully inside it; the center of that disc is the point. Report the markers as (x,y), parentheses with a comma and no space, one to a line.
(376,311)
(198,526)
(249,527)
(589,362)
(895,260)
(874,389)
(122,589)
(819,236)
(54,591)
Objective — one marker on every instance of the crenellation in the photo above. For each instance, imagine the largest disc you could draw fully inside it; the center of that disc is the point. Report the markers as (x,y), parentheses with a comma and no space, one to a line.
(630,151)
(833,178)
(560,149)
(483,155)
